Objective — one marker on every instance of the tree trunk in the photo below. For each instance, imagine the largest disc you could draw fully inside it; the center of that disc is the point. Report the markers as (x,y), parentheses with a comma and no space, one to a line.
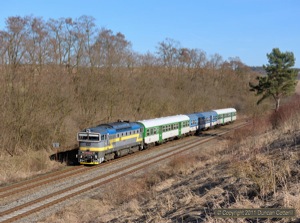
(277,104)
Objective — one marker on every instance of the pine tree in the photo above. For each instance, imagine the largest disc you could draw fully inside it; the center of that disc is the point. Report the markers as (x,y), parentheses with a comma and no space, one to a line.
(281,79)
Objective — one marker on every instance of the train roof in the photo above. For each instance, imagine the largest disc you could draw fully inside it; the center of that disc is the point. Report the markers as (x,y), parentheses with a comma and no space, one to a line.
(114,127)
(224,110)
(163,121)
(202,114)
(192,116)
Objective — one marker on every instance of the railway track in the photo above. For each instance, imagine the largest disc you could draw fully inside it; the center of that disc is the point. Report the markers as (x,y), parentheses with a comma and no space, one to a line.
(78,188)
(53,177)
(39,181)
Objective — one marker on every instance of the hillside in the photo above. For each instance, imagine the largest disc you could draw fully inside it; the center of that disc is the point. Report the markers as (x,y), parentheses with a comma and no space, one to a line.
(256,167)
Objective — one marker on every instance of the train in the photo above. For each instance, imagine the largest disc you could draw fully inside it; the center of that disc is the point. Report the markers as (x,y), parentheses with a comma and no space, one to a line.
(108,141)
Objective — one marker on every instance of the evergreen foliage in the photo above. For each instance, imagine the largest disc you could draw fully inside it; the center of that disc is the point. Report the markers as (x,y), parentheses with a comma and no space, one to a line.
(280,79)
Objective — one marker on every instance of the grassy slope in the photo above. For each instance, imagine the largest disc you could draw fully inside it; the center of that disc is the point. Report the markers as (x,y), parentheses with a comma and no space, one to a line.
(255,167)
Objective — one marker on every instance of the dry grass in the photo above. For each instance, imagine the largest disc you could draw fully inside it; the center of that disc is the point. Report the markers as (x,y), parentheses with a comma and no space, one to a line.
(255,167)
(16,168)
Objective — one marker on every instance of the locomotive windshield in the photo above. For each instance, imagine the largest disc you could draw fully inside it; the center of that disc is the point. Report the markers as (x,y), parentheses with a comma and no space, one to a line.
(88,137)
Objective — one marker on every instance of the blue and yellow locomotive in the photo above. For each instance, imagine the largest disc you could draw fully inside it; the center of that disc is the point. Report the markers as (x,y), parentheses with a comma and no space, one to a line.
(105,142)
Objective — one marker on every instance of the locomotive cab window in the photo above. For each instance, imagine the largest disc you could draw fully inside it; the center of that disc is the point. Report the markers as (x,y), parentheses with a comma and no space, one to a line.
(88,137)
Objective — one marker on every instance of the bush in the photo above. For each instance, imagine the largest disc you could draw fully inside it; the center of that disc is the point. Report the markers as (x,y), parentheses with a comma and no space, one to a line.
(286,112)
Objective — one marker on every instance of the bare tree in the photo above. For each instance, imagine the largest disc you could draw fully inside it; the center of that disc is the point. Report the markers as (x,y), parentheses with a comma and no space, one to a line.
(37,44)
(168,52)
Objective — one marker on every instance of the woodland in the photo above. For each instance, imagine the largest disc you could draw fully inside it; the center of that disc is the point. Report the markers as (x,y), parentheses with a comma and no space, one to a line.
(62,75)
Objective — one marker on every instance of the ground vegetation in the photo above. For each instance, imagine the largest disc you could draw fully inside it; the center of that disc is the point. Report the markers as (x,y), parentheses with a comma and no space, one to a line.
(253,167)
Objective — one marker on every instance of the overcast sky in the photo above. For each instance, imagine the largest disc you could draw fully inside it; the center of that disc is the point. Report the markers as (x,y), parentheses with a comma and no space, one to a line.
(248,29)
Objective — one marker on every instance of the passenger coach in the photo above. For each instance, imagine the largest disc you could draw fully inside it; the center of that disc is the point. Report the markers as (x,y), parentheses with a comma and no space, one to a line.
(163,129)
(202,120)
(225,115)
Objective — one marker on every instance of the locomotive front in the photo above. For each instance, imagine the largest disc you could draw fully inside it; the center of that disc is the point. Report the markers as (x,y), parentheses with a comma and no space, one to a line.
(92,143)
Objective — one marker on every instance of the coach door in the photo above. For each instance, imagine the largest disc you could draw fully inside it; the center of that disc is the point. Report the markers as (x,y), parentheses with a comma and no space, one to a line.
(180,124)
(160,133)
